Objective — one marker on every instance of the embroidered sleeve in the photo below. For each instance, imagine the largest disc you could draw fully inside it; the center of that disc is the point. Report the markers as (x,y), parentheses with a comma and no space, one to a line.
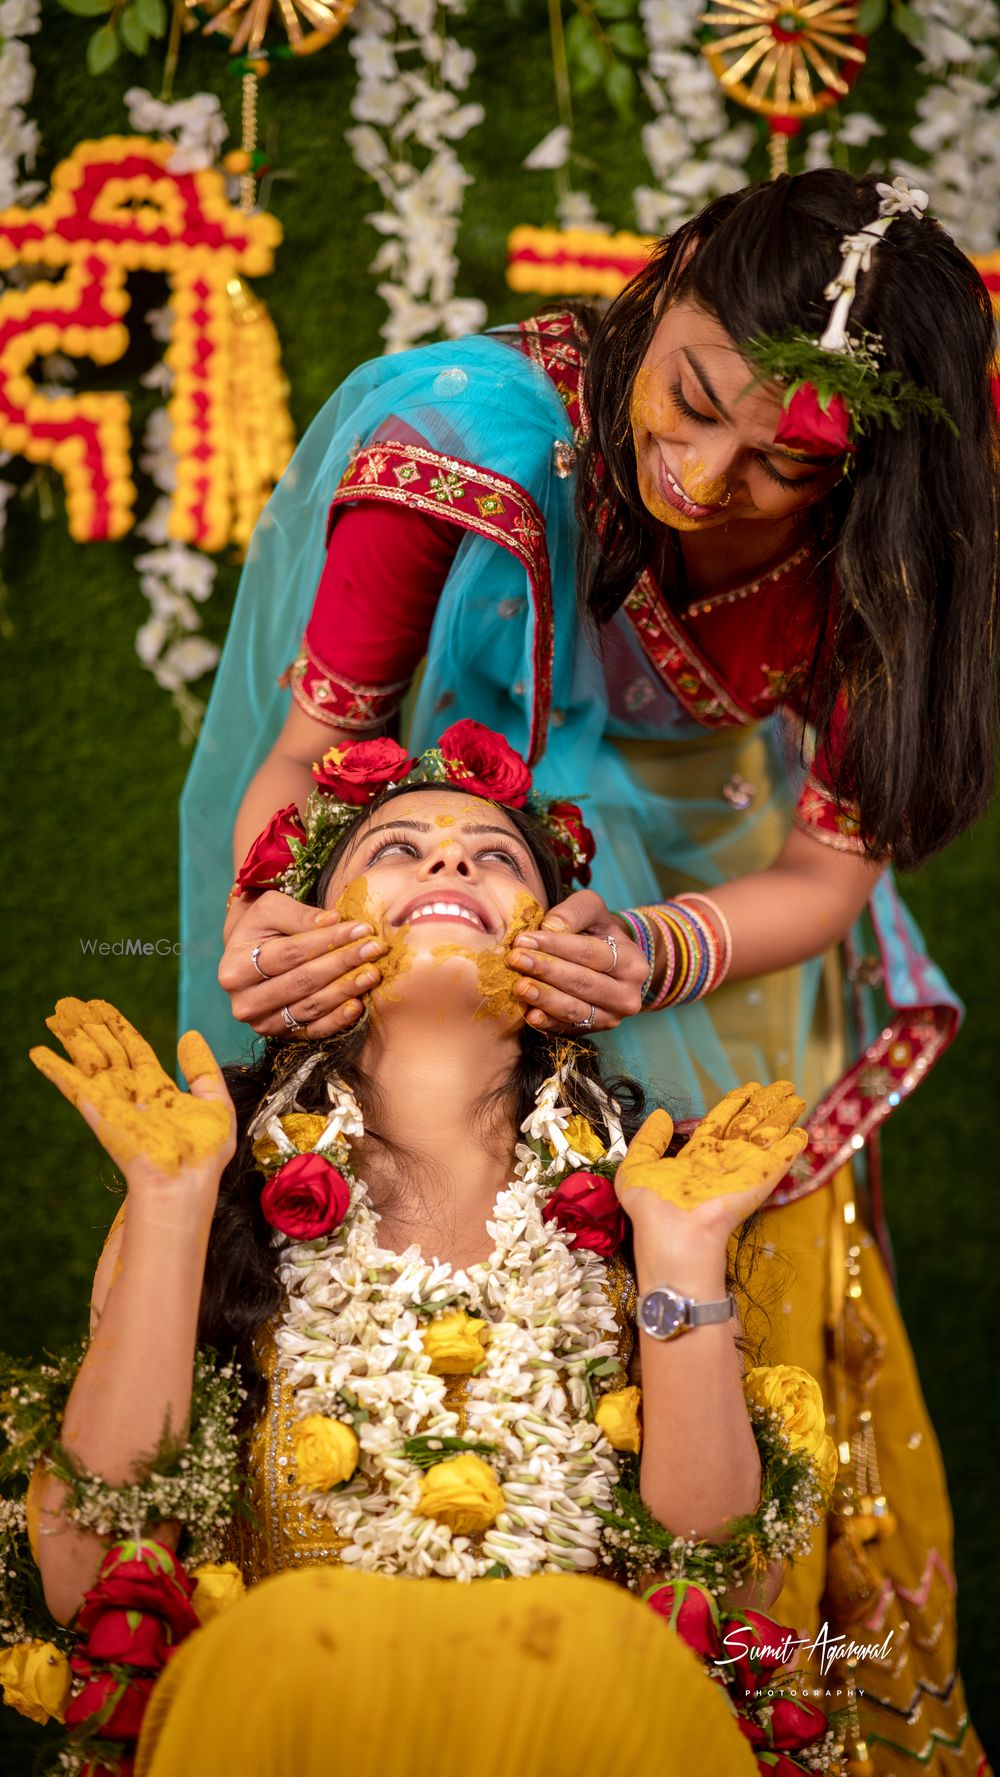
(819,812)
(374,608)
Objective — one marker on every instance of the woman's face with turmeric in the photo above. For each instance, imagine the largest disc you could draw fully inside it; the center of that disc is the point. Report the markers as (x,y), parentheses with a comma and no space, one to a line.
(448,879)
(703,430)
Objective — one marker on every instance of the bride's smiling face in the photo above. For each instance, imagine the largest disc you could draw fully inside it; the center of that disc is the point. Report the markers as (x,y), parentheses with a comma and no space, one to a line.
(449,867)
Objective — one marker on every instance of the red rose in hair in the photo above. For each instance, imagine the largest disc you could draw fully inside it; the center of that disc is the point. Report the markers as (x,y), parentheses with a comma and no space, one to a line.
(127,1705)
(586,1209)
(806,424)
(573,842)
(270,854)
(795,1724)
(689,1610)
(148,1585)
(113,1637)
(480,761)
(357,772)
(744,1638)
(307,1197)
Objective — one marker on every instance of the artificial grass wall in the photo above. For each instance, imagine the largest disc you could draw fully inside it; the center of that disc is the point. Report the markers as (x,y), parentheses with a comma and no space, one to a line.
(93,765)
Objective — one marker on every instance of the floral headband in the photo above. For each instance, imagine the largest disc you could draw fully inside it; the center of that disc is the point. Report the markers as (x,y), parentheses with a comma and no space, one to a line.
(836,387)
(293,849)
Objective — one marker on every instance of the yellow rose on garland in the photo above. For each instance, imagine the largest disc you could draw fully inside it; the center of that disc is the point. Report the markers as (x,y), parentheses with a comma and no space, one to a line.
(217,1585)
(617,1414)
(583,1140)
(36,1680)
(454,1343)
(303,1128)
(798,1398)
(462,1493)
(326,1452)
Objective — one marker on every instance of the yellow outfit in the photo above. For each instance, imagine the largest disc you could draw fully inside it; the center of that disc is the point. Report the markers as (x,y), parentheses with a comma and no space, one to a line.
(323,1670)
(552,1676)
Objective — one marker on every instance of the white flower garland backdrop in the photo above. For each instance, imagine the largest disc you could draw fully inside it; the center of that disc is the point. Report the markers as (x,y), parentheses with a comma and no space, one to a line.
(410,117)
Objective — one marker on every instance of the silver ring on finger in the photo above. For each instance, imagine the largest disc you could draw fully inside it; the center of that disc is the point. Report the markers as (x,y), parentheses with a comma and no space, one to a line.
(588,1023)
(255,959)
(613,947)
(289,1019)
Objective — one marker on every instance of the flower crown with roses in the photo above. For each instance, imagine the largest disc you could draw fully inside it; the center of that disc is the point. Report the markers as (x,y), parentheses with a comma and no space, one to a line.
(293,849)
(836,386)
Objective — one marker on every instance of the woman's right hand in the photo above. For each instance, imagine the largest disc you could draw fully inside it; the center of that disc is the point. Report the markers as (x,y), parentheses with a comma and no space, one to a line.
(160,1137)
(309,962)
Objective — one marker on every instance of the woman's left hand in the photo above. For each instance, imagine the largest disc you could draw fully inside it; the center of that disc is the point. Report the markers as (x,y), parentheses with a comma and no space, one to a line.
(582,972)
(728,1169)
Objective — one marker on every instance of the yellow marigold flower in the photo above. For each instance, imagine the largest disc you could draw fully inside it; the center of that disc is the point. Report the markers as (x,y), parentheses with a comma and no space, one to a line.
(304,1128)
(617,1415)
(797,1396)
(462,1493)
(217,1586)
(454,1343)
(582,1139)
(326,1452)
(36,1680)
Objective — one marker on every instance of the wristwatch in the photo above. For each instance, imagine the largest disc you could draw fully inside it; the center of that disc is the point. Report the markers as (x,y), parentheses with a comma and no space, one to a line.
(664,1313)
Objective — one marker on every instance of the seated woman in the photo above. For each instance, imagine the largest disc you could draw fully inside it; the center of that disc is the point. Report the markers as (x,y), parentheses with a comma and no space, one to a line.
(423,1241)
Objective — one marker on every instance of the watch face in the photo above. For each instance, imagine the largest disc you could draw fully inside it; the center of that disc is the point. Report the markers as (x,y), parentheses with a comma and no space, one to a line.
(662,1314)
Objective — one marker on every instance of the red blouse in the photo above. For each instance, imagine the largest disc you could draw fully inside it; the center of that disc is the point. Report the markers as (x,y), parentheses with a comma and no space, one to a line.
(729,660)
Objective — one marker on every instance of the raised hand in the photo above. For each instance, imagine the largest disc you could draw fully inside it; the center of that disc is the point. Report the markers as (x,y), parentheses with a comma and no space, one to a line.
(152,1131)
(730,1166)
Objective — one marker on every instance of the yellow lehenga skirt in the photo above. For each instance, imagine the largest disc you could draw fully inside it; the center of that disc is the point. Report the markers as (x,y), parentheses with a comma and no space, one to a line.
(823,1299)
(328,1670)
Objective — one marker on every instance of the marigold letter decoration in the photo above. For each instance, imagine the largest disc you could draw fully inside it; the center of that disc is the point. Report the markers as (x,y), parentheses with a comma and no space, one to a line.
(117,207)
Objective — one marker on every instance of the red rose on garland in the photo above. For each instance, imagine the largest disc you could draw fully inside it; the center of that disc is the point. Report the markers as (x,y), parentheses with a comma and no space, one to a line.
(129,1638)
(357,772)
(481,762)
(306,1198)
(586,1209)
(270,854)
(795,1724)
(572,842)
(808,424)
(155,1584)
(688,1608)
(744,1638)
(778,1764)
(125,1702)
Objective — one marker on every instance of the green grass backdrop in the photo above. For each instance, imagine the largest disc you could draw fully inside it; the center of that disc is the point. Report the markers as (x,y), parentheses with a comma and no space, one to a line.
(93,764)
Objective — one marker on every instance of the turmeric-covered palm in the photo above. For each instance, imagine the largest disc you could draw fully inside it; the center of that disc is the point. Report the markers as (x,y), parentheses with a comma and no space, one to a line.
(730,1166)
(136,1111)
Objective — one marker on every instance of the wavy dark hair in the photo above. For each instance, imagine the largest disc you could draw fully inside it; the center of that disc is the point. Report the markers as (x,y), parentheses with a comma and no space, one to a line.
(907,543)
(241,1292)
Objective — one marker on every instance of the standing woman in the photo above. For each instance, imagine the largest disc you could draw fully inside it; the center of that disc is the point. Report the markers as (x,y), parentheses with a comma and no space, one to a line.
(745,580)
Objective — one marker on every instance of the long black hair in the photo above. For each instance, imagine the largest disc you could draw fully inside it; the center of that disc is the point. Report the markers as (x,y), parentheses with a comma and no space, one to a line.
(908,540)
(241,1291)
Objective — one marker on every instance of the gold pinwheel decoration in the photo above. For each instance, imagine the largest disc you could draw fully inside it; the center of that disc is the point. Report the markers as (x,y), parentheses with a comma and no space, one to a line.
(783,60)
(308,25)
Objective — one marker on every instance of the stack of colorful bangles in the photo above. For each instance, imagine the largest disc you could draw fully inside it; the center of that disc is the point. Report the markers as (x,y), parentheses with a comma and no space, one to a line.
(698,950)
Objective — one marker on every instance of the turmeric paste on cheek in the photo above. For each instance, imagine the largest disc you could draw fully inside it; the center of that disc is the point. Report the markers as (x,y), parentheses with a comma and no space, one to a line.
(497,980)
(353,904)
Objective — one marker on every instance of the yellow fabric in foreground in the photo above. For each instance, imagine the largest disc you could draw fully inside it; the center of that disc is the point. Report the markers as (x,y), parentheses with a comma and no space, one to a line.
(546,1677)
